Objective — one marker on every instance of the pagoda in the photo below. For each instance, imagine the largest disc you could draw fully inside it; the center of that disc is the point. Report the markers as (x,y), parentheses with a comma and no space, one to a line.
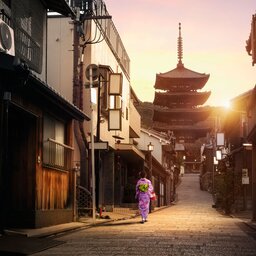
(178,103)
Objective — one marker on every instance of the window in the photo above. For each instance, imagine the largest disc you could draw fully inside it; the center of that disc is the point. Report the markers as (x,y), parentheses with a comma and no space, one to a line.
(56,153)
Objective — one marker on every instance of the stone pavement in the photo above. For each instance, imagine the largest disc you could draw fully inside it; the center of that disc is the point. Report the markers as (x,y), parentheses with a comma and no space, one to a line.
(246,217)
(190,227)
(84,222)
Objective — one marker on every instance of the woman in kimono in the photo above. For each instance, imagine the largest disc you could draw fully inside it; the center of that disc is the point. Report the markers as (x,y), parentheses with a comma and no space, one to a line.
(144,189)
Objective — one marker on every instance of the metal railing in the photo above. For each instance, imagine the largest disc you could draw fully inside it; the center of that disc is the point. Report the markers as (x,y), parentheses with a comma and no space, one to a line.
(28,49)
(57,155)
(114,40)
(5,17)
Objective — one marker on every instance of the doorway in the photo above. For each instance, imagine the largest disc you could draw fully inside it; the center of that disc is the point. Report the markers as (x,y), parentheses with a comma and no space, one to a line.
(21,164)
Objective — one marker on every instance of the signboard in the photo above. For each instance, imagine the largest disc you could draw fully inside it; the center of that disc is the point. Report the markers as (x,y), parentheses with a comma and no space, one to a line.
(114,120)
(220,140)
(99,145)
(244,172)
(245,180)
(245,177)
(115,83)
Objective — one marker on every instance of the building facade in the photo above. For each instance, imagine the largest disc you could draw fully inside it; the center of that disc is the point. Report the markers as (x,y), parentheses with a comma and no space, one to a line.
(161,159)
(115,119)
(36,123)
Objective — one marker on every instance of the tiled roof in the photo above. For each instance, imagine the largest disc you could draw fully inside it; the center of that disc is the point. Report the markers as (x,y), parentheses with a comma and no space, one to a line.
(182,72)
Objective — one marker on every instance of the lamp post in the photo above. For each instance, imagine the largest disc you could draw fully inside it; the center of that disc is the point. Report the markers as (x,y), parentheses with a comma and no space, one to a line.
(92,152)
(150,149)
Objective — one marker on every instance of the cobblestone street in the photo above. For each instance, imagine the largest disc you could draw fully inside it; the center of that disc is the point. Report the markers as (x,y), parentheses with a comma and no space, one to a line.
(190,227)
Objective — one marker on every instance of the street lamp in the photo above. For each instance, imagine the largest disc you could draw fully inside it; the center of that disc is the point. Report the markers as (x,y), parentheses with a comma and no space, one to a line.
(150,149)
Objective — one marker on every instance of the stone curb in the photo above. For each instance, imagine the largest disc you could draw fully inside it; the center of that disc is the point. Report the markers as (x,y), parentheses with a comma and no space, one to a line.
(68,227)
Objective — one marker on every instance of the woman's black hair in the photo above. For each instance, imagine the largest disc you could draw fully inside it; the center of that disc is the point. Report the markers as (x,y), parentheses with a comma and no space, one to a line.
(143,174)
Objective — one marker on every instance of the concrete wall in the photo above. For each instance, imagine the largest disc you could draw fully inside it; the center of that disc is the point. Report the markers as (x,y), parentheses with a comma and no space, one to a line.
(60,72)
(101,53)
(60,56)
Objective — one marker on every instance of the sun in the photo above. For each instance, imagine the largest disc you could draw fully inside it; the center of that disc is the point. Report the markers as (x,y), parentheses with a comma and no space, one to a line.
(226,104)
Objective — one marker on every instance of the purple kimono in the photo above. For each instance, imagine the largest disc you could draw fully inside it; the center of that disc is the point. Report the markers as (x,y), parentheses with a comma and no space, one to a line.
(143,190)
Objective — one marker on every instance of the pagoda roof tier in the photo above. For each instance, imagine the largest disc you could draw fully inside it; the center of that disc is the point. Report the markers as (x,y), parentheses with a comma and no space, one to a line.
(175,99)
(181,79)
(174,115)
(188,131)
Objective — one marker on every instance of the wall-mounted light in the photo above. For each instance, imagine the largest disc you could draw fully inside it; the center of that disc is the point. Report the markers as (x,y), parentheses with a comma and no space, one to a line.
(150,147)
(77,167)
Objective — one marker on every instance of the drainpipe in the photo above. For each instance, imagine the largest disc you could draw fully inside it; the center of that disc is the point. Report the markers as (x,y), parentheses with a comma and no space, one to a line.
(77,100)
(98,155)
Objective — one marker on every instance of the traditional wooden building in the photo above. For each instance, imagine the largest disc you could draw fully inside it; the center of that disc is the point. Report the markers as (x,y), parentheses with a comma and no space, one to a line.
(36,123)
(178,103)
(160,158)
(238,132)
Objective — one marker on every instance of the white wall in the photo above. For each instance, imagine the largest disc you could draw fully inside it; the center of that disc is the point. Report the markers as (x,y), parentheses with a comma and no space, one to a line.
(60,56)
(100,53)
(60,72)
(145,139)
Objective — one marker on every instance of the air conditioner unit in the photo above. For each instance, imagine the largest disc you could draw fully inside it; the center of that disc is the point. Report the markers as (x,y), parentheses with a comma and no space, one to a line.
(6,38)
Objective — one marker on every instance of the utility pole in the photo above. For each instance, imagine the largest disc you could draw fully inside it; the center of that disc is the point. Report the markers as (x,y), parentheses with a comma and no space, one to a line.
(92,153)
(89,10)
(77,100)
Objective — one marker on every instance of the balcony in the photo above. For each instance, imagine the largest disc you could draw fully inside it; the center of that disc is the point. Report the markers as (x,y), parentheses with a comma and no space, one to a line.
(28,34)
(28,49)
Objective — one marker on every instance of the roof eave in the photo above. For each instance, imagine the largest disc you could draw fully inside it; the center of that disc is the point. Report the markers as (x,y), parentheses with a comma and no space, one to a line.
(60,6)
(167,82)
(55,97)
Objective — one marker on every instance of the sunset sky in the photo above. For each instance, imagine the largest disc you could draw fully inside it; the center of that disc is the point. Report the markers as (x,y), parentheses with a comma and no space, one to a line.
(214,34)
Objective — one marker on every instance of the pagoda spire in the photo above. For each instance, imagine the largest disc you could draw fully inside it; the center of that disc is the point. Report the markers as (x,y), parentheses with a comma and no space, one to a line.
(180,49)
